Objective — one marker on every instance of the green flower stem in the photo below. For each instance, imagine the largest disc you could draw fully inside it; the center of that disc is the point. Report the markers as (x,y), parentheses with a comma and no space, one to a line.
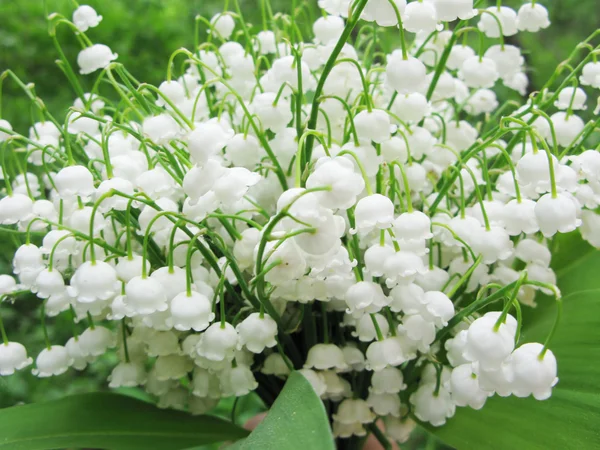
(43,322)
(465,277)
(353,19)
(124,336)
(2,329)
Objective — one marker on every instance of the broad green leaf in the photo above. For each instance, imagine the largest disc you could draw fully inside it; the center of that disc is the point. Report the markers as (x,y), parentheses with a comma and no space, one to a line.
(570,418)
(296,421)
(107,421)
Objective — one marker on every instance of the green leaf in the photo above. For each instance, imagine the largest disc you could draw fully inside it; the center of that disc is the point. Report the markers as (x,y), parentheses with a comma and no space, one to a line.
(108,421)
(570,418)
(296,421)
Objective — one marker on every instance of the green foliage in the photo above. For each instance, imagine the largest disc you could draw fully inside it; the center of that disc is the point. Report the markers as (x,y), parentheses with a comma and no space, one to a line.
(107,421)
(296,421)
(569,419)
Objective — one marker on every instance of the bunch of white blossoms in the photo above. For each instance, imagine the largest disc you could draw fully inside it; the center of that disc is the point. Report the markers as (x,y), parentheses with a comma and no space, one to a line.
(374,220)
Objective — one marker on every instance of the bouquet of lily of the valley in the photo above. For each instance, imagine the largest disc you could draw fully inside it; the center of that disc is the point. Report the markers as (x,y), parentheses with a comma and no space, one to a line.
(379,215)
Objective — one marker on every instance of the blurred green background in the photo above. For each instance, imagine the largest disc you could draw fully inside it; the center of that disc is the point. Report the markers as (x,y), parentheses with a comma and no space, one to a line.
(144,33)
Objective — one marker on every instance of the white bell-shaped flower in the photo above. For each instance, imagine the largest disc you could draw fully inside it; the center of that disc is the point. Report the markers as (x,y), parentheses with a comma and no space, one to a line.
(402,268)
(190,311)
(346,430)
(339,174)
(455,348)
(161,128)
(73,181)
(373,125)
(275,365)
(172,367)
(145,295)
(365,297)
(93,281)
(503,14)
(325,357)
(354,411)
(556,214)
(458,55)
(531,251)
(85,17)
(373,212)
(438,308)
(411,107)
(234,184)
(407,298)
(93,58)
(292,263)
(590,74)
(479,72)
(267,43)
(374,258)
(519,217)
(533,374)
(335,7)
(405,75)
(399,429)
(465,388)
(244,151)
(571,97)
(206,140)
(128,268)
(419,330)
(432,407)
(434,279)
(387,381)
(223,24)
(206,383)
(354,357)
(449,10)
(328,29)
(384,404)
(13,357)
(382,12)
(80,360)
(391,351)
(48,283)
(15,208)
(274,117)
(218,342)
(483,101)
(115,202)
(95,341)
(237,381)
(7,284)
(365,329)
(52,361)
(336,387)
(493,244)
(567,127)
(411,226)
(590,227)
(127,374)
(420,17)
(175,398)
(256,332)
(532,17)
(490,345)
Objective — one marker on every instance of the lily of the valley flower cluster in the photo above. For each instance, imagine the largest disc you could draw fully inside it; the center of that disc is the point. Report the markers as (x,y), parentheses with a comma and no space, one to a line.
(294,198)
